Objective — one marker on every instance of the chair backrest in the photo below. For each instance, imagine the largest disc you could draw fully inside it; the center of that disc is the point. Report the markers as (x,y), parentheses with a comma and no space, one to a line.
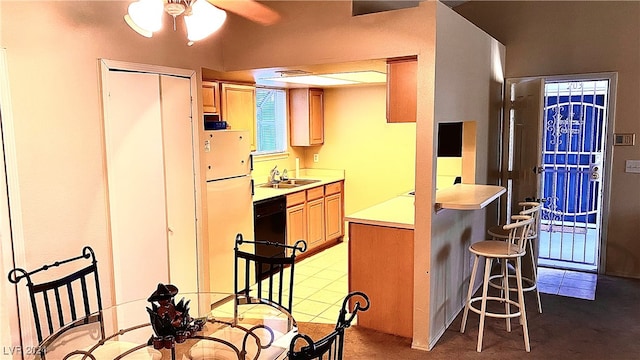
(330,347)
(533,209)
(65,301)
(519,230)
(265,275)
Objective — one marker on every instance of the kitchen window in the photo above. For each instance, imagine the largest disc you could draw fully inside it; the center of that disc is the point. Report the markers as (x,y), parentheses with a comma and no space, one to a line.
(271,123)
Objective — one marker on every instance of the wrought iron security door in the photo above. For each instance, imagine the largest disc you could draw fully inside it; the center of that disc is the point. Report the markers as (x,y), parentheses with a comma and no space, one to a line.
(574,138)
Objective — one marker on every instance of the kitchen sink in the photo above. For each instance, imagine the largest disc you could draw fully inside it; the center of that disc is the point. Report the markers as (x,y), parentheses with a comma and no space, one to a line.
(298,181)
(289,183)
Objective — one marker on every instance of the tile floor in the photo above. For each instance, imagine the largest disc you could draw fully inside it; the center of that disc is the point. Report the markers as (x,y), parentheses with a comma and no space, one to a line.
(321,285)
(569,283)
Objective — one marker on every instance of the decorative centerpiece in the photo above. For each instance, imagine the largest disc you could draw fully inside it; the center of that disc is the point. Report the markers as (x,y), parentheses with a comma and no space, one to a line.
(170,321)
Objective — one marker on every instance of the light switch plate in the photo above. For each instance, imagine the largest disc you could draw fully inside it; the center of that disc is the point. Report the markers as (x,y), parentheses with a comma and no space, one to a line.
(624,139)
(632,166)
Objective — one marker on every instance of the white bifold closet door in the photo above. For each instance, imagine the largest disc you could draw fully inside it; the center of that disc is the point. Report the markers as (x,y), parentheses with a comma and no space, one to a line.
(149,153)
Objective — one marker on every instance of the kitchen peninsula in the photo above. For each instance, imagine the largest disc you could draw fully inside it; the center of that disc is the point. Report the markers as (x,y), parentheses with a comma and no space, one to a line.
(381,253)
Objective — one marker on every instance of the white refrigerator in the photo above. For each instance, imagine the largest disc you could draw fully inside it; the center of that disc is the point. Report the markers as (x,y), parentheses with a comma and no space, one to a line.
(229,201)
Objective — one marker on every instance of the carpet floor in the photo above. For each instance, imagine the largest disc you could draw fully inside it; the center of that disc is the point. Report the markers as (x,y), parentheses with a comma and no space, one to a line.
(569,328)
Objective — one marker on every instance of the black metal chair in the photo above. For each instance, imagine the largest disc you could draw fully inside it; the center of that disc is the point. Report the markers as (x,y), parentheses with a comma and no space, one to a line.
(61,304)
(331,346)
(69,301)
(259,279)
(265,275)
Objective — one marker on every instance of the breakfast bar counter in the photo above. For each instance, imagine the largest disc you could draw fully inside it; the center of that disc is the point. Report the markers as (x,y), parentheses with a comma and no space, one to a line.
(467,196)
(397,212)
(381,252)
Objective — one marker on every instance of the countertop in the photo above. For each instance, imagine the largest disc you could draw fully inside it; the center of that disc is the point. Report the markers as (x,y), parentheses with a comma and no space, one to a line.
(325,176)
(467,196)
(397,212)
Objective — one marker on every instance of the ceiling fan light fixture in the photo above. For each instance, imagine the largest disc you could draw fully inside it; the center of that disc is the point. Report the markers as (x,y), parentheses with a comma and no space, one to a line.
(145,16)
(174,9)
(205,19)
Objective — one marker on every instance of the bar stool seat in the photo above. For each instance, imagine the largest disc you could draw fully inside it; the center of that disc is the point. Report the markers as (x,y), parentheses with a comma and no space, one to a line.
(513,249)
(499,233)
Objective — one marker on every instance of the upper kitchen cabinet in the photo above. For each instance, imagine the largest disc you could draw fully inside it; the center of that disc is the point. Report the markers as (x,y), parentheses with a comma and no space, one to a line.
(402,89)
(239,108)
(307,116)
(210,97)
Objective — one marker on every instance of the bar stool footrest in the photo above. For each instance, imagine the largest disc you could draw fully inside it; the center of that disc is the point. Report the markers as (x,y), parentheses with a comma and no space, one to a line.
(492,314)
(531,285)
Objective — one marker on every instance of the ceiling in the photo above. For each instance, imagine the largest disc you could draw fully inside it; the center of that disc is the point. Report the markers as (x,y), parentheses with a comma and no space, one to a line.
(360,7)
(260,76)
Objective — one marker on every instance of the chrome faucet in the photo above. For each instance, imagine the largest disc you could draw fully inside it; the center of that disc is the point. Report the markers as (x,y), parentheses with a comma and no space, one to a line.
(284,176)
(274,175)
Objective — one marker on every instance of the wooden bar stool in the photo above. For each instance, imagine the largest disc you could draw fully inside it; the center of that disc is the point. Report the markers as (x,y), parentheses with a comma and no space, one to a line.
(512,249)
(533,209)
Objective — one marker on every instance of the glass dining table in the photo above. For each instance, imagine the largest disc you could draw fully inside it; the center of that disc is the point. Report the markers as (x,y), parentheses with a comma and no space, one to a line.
(201,326)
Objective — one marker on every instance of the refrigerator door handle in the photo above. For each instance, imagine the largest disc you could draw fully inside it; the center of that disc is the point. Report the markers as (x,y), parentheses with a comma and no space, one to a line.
(252,188)
(251,162)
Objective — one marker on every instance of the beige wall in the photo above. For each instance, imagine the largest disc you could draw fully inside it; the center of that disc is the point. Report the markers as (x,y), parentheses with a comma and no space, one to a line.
(555,38)
(52,51)
(378,157)
(467,88)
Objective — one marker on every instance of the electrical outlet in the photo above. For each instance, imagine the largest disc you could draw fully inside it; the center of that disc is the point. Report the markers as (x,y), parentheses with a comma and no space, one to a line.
(316,158)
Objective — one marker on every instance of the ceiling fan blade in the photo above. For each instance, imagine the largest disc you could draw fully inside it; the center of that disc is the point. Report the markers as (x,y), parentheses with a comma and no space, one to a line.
(249,9)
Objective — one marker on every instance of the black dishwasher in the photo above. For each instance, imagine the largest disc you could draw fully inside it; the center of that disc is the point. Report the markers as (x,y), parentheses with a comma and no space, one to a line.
(269,222)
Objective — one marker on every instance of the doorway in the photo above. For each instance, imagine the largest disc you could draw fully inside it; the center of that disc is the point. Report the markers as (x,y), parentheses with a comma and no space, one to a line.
(574,142)
(557,152)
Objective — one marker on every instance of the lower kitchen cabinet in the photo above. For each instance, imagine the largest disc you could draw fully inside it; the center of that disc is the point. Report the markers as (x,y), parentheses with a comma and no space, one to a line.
(333,211)
(316,215)
(390,286)
(296,217)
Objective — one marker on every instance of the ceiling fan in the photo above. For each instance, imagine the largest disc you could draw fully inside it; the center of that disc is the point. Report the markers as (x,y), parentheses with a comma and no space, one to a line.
(202,17)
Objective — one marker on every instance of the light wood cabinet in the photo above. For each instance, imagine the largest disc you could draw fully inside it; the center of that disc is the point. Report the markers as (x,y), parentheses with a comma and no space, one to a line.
(210,97)
(402,89)
(333,211)
(306,107)
(296,217)
(315,216)
(315,222)
(239,108)
(390,287)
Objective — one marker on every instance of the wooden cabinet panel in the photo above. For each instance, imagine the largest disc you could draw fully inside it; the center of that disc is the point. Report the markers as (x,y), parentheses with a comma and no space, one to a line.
(314,217)
(296,223)
(402,89)
(333,188)
(315,222)
(239,108)
(210,97)
(306,117)
(315,193)
(316,114)
(334,221)
(389,287)
(296,198)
